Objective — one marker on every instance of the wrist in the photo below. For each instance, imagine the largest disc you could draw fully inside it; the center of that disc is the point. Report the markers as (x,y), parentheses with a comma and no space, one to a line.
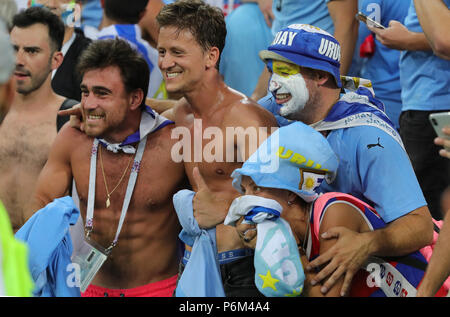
(371,242)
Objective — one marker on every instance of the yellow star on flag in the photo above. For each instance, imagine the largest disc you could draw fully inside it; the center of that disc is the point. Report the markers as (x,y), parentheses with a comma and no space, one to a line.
(269,281)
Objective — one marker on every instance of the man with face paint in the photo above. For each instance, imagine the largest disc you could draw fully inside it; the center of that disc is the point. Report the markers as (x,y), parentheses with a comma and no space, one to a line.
(65,80)
(373,165)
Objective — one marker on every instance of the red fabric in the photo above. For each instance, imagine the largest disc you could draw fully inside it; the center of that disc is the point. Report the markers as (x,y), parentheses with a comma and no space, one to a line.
(164,288)
(367,48)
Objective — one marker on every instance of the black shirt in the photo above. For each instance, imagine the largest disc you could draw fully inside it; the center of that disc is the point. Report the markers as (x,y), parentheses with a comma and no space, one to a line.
(66,81)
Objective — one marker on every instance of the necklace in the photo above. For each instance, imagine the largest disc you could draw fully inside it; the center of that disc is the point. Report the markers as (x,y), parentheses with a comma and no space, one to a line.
(109,193)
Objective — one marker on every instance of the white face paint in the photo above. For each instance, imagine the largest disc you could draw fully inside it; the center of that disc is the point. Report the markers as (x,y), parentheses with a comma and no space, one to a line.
(290,91)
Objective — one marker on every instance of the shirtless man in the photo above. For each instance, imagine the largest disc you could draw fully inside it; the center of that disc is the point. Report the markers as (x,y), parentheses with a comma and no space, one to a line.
(29,129)
(191,38)
(114,83)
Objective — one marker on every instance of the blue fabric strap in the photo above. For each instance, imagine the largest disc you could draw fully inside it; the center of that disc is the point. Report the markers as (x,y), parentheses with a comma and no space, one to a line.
(256,210)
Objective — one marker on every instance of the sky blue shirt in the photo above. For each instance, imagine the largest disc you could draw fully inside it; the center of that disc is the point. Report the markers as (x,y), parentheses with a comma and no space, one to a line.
(313,12)
(383,67)
(424,77)
(247,34)
(381,176)
(91,13)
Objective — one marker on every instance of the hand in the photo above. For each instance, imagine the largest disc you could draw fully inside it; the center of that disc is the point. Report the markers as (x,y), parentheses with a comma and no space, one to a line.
(344,258)
(209,210)
(76,116)
(445,143)
(266,8)
(247,233)
(396,36)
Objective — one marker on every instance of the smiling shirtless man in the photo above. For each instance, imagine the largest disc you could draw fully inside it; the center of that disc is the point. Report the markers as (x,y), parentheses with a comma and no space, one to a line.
(30,126)
(191,39)
(143,258)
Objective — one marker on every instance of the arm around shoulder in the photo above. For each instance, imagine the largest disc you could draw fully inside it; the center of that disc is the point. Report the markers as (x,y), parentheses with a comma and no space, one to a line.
(339,217)
(252,121)
(404,235)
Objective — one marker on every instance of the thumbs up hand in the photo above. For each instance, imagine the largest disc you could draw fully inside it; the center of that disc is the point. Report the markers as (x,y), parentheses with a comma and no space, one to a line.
(209,209)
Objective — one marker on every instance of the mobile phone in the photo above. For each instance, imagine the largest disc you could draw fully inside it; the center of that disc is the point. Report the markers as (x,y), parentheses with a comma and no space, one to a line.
(368,21)
(440,120)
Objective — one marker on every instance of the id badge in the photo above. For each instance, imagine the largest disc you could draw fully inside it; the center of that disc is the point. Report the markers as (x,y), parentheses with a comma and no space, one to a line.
(90,259)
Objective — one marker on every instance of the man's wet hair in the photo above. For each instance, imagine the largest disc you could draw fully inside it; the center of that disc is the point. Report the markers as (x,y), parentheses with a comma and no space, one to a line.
(34,15)
(205,22)
(125,12)
(133,68)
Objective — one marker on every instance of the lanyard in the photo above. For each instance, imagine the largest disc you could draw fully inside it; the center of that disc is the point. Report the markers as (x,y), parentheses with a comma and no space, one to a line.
(130,187)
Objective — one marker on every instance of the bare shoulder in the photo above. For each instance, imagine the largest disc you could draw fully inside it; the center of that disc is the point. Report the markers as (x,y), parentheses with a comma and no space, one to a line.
(69,139)
(162,141)
(244,111)
(341,215)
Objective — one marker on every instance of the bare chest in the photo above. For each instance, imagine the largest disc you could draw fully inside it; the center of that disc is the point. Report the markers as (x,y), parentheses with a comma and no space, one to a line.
(26,143)
(210,146)
(157,179)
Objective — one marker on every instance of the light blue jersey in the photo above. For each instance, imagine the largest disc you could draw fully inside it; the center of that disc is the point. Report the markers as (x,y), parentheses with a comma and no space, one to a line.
(424,77)
(91,14)
(312,12)
(247,34)
(373,165)
(374,168)
(383,67)
(132,33)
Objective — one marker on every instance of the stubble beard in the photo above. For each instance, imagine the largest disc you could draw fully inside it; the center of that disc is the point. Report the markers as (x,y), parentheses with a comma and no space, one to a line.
(308,113)
(36,81)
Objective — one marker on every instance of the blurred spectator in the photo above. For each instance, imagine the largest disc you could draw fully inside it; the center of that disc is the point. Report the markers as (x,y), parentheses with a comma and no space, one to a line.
(91,14)
(438,269)
(247,34)
(424,79)
(434,17)
(65,80)
(8,8)
(30,126)
(148,24)
(381,64)
(15,279)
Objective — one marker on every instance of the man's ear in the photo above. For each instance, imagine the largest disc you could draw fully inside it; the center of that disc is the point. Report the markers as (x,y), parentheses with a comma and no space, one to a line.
(323,77)
(291,196)
(57,59)
(212,57)
(136,98)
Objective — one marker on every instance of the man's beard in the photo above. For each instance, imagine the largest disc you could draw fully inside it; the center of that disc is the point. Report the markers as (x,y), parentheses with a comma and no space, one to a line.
(36,81)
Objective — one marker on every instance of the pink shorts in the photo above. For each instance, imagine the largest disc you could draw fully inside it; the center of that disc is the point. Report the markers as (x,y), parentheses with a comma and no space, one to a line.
(164,288)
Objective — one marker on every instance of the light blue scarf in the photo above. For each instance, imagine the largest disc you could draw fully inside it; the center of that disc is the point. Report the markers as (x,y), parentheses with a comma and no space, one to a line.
(201,276)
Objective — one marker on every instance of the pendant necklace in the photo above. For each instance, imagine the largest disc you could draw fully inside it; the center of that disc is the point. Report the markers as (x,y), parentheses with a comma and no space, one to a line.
(109,193)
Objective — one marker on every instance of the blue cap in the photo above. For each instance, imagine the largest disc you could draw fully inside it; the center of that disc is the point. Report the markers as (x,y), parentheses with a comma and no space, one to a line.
(307,46)
(295,157)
